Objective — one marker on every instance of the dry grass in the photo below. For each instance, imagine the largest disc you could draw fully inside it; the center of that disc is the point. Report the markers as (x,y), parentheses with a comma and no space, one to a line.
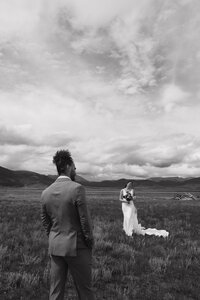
(124,268)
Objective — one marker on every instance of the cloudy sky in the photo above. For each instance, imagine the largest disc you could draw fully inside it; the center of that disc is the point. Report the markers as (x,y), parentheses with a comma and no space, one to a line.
(117,82)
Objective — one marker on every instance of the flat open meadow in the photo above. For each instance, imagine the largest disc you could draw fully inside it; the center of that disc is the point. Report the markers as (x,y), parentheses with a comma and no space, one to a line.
(124,268)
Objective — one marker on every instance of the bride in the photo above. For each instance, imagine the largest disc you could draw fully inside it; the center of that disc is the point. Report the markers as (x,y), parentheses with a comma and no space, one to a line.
(130,224)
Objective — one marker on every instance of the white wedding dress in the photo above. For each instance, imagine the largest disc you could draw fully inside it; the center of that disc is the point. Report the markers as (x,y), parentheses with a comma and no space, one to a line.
(131,225)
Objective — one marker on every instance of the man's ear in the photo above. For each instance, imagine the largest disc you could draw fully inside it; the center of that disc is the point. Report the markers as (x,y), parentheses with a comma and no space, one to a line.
(68,168)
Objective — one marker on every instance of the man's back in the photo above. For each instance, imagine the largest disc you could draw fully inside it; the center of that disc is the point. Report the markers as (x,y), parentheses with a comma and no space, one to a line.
(63,203)
(66,221)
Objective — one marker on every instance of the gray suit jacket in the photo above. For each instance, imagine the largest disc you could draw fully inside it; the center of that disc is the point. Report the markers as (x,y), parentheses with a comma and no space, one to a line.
(65,217)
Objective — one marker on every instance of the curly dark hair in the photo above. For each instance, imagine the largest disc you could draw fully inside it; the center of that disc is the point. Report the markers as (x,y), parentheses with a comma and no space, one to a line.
(61,159)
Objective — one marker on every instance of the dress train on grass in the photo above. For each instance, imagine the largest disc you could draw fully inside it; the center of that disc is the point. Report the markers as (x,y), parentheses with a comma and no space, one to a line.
(131,225)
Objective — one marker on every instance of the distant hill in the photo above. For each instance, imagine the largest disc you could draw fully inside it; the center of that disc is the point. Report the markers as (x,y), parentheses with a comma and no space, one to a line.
(168,184)
(8,178)
(22,178)
(121,183)
(175,179)
(32,178)
(28,178)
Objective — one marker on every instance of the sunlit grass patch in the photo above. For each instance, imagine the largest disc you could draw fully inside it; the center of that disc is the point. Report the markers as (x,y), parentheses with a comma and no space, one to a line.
(159,264)
(30,260)
(103,245)
(3,251)
(17,280)
(123,252)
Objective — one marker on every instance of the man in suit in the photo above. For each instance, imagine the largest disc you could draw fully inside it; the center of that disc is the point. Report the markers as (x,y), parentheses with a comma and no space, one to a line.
(67,224)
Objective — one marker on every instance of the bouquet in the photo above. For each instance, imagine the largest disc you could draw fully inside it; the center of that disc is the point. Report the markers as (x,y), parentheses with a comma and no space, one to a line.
(128,196)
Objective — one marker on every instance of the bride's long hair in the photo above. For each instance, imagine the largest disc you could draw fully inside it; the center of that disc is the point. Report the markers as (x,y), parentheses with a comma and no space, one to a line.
(129,185)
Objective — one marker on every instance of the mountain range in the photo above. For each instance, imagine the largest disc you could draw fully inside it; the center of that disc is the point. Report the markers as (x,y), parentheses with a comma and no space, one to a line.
(13,178)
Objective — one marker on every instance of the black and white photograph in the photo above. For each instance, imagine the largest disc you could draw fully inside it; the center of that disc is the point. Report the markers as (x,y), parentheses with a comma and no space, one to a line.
(99,149)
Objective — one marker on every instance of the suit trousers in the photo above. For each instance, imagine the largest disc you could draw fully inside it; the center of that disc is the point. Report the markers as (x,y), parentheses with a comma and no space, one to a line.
(80,267)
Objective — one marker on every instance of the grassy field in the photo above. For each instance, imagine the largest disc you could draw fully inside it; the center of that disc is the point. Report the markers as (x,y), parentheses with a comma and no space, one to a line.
(124,268)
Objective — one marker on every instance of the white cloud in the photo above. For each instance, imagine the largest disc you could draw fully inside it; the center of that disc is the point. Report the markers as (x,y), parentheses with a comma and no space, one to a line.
(18,17)
(116,82)
(172,95)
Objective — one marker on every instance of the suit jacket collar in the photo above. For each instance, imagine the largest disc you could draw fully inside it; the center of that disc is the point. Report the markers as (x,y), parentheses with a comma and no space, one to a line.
(63,179)
(64,176)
